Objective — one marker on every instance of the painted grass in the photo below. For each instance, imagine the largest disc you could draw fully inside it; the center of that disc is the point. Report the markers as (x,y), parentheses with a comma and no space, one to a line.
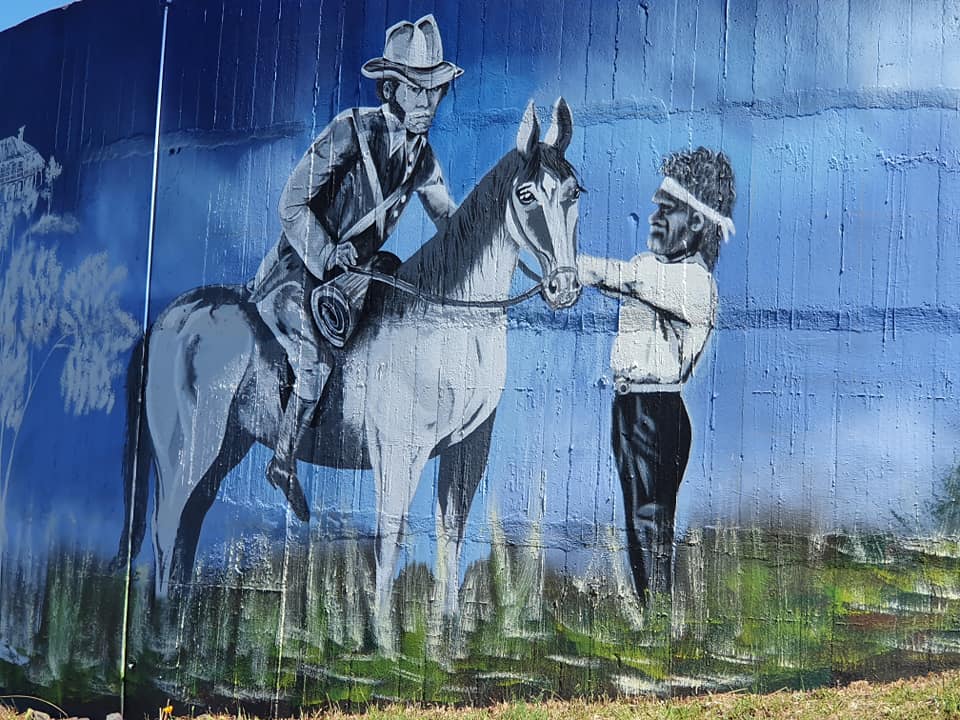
(754,610)
(932,697)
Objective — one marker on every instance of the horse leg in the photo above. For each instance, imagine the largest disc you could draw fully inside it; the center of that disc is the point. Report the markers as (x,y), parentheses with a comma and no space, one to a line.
(188,410)
(461,468)
(183,497)
(397,468)
(191,519)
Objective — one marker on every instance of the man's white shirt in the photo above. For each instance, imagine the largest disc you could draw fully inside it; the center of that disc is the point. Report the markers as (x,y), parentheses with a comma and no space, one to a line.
(667,311)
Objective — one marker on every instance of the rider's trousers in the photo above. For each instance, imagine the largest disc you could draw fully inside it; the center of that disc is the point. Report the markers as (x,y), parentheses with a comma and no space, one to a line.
(284,309)
(284,305)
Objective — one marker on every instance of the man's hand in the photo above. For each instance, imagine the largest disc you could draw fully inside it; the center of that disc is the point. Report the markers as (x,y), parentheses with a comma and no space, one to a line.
(344,255)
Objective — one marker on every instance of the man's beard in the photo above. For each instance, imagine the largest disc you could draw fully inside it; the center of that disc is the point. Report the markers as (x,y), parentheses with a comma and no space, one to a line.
(421,120)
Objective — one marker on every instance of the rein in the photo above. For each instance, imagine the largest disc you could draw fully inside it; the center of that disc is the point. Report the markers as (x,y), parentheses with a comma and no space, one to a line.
(410,289)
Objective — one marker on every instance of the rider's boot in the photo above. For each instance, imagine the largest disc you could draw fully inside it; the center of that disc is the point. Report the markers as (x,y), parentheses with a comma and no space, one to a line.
(282,469)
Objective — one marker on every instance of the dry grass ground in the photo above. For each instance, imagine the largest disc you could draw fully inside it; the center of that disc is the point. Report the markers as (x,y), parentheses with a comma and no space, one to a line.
(931,697)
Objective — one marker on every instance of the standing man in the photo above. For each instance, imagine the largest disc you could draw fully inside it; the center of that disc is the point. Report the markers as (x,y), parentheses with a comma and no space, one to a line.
(339,206)
(668,307)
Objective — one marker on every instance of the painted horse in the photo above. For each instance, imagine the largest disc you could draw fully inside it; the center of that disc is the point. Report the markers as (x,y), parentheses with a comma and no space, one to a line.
(421,377)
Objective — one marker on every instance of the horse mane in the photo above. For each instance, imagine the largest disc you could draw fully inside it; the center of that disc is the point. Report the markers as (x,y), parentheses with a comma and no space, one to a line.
(441,265)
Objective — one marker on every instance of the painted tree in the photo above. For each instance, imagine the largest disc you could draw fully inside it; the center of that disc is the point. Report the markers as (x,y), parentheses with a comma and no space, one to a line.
(44,311)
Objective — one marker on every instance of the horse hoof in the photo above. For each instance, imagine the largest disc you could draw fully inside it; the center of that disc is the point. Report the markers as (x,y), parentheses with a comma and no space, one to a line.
(285,478)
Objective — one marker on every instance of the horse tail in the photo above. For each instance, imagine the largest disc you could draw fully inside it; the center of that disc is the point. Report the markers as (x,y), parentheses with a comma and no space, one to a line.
(137,458)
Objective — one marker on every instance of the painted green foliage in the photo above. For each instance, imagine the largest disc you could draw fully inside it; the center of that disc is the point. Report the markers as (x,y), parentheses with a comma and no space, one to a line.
(755,609)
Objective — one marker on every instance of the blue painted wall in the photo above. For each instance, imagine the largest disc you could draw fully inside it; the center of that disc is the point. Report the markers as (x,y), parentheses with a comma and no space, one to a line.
(825,405)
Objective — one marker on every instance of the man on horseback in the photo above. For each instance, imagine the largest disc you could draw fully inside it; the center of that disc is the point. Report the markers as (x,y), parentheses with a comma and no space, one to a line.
(339,206)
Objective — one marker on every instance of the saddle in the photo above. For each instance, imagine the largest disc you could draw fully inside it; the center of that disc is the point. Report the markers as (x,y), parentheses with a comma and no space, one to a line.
(338,304)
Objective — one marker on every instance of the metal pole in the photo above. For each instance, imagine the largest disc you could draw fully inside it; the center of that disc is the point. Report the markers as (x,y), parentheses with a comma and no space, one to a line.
(165,4)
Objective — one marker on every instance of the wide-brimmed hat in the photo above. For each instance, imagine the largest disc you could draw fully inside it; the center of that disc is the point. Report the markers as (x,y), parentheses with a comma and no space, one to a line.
(413,53)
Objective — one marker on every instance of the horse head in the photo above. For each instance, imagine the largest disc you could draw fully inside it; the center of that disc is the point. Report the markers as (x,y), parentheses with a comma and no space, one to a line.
(542,213)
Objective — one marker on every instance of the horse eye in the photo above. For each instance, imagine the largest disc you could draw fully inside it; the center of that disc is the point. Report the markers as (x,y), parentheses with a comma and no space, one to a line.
(524,195)
(576,193)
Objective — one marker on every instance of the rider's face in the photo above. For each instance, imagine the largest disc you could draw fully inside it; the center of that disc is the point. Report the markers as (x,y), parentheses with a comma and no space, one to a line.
(419,106)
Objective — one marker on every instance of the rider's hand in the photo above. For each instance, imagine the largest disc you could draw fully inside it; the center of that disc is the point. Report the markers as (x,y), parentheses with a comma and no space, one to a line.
(344,255)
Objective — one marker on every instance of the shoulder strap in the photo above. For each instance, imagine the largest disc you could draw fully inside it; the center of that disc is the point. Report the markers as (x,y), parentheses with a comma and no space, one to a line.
(373,179)
(379,213)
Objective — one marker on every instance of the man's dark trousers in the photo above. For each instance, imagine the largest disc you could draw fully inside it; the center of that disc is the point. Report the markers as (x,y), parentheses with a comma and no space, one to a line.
(651,445)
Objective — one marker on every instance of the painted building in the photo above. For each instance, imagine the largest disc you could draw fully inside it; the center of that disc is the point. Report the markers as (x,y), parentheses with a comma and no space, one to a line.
(21,168)
(460,352)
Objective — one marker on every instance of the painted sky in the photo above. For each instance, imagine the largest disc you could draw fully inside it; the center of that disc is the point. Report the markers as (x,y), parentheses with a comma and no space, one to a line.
(13,12)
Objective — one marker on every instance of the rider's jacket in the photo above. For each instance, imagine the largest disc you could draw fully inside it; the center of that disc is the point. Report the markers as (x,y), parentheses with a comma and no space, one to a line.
(352,184)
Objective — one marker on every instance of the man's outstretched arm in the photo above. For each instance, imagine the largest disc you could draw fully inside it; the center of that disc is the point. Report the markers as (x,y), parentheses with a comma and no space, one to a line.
(685,291)
(608,275)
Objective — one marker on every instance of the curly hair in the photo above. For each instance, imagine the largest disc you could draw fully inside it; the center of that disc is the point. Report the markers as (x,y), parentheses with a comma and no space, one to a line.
(709,176)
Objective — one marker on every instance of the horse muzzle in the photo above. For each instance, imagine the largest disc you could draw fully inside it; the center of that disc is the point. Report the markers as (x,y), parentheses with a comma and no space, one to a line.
(561,288)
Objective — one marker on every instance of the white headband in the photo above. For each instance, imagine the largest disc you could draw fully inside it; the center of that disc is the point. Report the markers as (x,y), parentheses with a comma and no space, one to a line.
(675,189)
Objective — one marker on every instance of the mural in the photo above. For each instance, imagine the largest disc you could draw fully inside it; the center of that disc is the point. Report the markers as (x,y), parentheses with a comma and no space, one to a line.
(657,397)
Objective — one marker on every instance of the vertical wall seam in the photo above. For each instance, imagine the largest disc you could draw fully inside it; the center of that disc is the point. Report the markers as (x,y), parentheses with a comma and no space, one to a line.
(156,167)
(151,233)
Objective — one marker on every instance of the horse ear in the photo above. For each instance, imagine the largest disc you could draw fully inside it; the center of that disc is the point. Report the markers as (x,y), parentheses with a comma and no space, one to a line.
(561,129)
(529,134)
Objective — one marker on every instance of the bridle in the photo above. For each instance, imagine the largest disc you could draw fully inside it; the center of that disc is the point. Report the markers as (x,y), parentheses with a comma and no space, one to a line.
(411,289)
(549,282)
